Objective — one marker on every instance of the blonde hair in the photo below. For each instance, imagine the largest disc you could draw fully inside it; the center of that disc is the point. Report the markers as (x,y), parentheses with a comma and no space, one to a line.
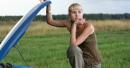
(74,6)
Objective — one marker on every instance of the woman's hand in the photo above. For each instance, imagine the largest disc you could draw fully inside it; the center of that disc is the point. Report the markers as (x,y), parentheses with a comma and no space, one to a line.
(79,21)
(42,0)
(48,9)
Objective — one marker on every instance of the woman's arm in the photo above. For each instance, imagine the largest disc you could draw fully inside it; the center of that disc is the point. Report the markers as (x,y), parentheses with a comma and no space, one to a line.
(51,21)
(80,39)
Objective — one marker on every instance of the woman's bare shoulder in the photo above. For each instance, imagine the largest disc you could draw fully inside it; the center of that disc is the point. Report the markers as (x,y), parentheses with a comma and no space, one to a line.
(88,23)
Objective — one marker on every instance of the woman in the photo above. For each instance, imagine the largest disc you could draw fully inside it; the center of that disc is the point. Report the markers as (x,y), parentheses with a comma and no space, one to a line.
(83,51)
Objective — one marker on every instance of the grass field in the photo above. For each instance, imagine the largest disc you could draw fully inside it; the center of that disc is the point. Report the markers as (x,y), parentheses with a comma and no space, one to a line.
(45,46)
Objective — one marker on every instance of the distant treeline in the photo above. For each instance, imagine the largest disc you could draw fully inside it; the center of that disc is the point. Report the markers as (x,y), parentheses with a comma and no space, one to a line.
(61,17)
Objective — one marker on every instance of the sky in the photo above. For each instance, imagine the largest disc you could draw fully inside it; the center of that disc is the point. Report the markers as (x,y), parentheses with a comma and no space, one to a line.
(21,7)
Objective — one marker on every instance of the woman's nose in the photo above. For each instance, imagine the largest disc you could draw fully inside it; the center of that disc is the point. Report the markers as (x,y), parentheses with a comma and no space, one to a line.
(76,14)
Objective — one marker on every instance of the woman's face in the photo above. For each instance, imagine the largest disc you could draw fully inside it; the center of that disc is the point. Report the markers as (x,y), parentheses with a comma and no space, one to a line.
(76,14)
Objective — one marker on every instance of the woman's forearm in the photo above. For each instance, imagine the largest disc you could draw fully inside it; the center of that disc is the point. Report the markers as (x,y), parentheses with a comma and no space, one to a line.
(73,34)
(48,14)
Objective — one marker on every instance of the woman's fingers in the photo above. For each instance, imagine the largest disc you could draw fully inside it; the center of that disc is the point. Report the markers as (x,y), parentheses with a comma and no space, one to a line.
(79,21)
(42,0)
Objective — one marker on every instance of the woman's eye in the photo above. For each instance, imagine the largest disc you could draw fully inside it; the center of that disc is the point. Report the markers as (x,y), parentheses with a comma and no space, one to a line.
(73,12)
(79,11)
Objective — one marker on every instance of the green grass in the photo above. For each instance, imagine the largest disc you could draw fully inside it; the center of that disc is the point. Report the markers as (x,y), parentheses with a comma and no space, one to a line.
(49,50)
(114,46)
(45,47)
